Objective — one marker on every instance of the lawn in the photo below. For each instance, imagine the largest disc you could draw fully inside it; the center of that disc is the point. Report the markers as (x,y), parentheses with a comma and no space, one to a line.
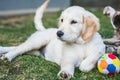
(26,67)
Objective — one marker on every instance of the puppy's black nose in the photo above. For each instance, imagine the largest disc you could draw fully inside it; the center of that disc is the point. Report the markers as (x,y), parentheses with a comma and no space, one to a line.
(60,33)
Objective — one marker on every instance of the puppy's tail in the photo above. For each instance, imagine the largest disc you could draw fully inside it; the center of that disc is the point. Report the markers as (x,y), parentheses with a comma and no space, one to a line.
(38,16)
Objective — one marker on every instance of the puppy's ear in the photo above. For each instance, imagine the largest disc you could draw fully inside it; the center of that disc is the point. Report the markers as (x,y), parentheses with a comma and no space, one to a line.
(90,27)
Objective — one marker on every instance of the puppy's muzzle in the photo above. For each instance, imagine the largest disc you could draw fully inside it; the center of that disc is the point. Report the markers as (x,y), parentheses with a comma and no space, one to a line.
(60,33)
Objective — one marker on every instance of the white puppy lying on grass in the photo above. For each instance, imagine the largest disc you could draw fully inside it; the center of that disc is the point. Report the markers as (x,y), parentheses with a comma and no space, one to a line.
(76,43)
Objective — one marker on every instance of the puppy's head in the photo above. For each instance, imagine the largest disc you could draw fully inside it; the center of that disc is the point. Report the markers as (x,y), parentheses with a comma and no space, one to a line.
(108,11)
(76,22)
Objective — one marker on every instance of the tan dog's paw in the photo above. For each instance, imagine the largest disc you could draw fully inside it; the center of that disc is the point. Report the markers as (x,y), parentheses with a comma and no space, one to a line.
(65,75)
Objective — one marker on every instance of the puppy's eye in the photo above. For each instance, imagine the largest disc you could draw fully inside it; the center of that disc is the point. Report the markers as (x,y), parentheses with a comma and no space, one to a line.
(73,22)
(61,20)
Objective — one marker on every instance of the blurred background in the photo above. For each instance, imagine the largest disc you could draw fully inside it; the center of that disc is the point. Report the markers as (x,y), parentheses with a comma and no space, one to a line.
(96,3)
(15,7)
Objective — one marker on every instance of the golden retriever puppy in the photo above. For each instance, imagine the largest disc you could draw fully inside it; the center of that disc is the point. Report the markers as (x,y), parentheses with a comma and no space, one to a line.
(76,43)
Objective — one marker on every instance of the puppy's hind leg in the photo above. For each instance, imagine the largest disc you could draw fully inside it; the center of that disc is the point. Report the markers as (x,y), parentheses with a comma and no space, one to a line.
(36,41)
(23,48)
(34,53)
(4,50)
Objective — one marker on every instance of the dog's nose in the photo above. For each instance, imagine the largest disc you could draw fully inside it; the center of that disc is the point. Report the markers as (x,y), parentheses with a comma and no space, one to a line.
(60,33)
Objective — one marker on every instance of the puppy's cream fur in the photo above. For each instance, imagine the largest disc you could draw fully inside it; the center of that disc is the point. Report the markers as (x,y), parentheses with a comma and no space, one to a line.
(80,46)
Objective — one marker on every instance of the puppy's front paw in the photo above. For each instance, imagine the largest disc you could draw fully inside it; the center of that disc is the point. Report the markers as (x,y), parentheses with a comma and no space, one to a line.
(65,75)
(84,67)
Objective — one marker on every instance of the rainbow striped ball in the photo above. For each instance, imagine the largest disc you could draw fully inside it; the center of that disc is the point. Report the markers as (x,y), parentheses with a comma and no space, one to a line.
(108,64)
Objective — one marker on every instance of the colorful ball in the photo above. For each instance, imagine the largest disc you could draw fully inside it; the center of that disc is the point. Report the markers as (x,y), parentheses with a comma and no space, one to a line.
(108,64)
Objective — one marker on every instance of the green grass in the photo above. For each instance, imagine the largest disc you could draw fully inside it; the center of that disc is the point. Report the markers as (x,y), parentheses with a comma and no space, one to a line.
(28,67)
